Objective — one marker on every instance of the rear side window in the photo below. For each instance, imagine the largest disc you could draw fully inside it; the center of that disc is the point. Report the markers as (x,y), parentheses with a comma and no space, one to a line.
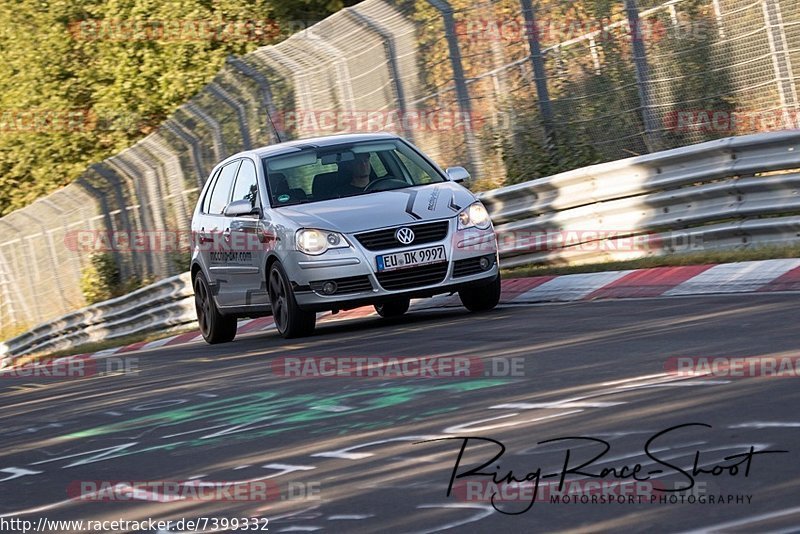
(246,187)
(222,189)
(207,198)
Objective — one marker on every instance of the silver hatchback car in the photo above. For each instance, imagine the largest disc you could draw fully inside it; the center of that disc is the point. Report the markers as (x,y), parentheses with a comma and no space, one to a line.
(335,223)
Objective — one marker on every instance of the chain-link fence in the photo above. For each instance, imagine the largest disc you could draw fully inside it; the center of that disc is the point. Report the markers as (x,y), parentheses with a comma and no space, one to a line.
(513,91)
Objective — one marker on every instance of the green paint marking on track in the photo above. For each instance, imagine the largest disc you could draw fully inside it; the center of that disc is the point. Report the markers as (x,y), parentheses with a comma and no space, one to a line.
(274,412)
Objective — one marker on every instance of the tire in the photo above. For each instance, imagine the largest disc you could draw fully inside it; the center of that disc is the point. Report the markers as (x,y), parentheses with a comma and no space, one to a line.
(393,308)
(290,320)
(215,327)
(481,298)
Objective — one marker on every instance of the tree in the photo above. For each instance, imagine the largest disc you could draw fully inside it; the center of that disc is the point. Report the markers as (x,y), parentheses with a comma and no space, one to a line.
(80,81)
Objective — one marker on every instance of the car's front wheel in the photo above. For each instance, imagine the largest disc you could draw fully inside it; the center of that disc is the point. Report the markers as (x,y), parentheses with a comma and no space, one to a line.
(290,320)
(481,298)
(393,308)
(215,327)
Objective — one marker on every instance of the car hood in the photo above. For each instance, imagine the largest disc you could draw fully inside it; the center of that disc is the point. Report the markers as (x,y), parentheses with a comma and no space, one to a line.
(381,209)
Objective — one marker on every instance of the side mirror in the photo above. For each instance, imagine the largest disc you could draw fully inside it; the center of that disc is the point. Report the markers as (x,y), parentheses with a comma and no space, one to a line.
(239,208)
(457,174)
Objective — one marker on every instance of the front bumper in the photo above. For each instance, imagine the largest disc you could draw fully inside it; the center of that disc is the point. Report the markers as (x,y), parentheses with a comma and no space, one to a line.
(354,270)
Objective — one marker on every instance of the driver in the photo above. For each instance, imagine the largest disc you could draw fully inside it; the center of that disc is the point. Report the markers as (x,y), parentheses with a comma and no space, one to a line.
(359,170)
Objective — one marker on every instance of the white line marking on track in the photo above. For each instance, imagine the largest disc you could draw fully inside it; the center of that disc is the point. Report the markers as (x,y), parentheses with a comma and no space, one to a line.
(556,404)
(678,384)
(484,512)
(286,468)
(345,454)
(335,409)
(634,379)
(767,424)
(455,429)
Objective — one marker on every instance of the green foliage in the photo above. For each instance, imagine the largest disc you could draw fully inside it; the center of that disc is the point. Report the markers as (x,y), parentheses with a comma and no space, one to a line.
(100,280)
(180,261)
(60,57)
(527,156)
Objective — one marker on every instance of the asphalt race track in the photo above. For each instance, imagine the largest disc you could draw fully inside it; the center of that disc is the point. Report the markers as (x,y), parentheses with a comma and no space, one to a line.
(341,454)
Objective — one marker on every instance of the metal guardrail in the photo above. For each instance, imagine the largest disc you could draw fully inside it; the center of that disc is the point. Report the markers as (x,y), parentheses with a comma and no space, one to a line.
(712,195)
(736,192)
(155,307)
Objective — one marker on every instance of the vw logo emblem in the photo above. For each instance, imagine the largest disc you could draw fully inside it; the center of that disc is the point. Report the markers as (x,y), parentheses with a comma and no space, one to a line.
(404,235)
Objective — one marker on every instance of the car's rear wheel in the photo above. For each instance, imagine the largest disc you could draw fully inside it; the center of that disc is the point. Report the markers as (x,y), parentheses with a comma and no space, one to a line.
(393,308)
(290,320)
(481,298)
(215,327)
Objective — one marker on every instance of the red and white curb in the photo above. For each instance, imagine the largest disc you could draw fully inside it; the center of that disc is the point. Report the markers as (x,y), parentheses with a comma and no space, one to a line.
(743,277)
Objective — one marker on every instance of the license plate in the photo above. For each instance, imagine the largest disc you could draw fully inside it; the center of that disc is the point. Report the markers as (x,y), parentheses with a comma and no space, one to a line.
(411,258)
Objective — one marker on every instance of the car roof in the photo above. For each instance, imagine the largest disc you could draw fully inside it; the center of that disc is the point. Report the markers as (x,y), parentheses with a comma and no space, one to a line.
(317,142)
(312,142)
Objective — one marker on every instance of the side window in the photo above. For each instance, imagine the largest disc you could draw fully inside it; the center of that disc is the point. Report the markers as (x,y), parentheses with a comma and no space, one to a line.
(377,165)
(222,189)
(246,187)
(207,198)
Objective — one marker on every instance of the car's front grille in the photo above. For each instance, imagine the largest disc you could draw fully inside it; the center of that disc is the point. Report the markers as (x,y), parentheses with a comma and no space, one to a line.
(353,284)
(412,277)
(385,239)
(469,266)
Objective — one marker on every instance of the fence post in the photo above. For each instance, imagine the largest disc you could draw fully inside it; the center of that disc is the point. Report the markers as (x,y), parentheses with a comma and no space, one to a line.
(779,47)
(539,74)
(464,105)
(390,49)
(275,131)
(651,124)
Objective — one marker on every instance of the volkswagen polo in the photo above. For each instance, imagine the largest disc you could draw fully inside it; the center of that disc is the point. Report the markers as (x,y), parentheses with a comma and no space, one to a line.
(331,224)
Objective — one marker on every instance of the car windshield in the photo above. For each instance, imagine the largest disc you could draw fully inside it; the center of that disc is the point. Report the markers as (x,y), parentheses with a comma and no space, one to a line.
(314,175)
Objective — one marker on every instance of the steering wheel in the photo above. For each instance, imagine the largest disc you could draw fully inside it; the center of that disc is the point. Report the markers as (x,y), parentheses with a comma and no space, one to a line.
(371,185)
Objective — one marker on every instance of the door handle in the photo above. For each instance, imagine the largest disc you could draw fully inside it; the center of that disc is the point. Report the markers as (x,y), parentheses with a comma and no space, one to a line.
(203,237)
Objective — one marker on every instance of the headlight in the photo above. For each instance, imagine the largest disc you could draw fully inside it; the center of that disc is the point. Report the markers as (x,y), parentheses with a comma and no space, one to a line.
(315,242)
(474,215)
